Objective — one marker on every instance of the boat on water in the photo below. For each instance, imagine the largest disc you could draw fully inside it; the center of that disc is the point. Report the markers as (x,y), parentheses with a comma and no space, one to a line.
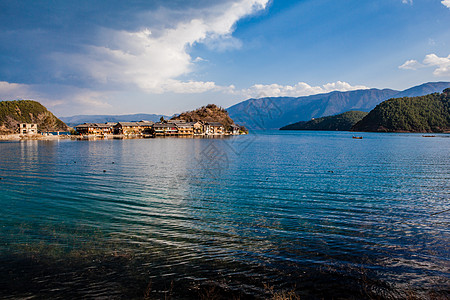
(357,137)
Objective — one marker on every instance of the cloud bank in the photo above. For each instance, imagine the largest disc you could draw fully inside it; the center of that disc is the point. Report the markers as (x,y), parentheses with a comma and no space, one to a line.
(297,90)
(153,60)
(446,3)
(143,54)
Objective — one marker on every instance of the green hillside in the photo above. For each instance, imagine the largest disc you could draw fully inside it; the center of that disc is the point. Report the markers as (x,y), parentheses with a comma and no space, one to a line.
(430,113)
(27,111)
(341,122)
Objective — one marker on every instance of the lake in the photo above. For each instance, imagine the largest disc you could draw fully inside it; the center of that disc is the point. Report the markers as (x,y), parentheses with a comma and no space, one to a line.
(318,214)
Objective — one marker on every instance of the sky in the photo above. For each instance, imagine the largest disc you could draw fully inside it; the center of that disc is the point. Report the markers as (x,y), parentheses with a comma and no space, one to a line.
(170,56)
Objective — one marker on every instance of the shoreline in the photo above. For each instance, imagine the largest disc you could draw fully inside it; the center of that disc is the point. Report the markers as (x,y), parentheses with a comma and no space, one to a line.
(19,137)
(38,137)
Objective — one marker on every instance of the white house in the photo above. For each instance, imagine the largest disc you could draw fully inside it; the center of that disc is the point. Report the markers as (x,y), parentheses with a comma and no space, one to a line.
(27,128)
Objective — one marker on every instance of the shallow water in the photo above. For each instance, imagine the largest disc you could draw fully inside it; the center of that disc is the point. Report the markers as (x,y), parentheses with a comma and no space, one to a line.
(318,213)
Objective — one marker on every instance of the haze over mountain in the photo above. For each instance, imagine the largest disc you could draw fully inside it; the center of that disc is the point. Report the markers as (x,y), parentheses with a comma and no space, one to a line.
(80,119)
(275,112)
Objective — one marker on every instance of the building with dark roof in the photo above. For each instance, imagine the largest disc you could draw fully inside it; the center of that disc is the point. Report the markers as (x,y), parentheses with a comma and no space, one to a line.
(133,128)
(214,128)
(186,128)
(165,129)
(95,128)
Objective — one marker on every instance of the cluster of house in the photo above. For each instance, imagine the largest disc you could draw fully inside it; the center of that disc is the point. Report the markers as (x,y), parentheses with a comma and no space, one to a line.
(152,129)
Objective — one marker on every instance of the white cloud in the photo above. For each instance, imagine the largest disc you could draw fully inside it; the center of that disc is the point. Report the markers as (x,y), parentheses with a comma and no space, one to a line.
(154,61)
(411,64)
(199,59)
(189,87)
(224,43)
(407,2)
(441,64)
(446,3)
(297,90)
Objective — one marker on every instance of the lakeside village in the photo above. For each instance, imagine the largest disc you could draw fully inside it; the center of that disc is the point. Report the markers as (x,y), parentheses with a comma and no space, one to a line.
(148,129)
(144,129)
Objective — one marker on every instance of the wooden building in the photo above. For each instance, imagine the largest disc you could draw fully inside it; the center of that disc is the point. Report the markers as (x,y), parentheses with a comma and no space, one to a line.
(165,129)
(235,129)
(95,128)
(185,129)
(198,127)
(132,128)
(214,128)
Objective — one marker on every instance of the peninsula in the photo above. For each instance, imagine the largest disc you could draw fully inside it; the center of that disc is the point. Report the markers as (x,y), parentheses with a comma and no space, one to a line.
(209,120)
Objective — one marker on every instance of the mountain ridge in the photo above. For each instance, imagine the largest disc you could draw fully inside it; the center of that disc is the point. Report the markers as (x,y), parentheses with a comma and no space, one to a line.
(276,112)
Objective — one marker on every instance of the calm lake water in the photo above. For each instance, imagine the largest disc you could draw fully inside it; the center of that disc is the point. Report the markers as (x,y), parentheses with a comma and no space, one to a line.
(318,213)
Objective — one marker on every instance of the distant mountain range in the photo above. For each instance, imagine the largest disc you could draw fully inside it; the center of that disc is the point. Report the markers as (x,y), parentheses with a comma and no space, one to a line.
(276,112)
(80,119)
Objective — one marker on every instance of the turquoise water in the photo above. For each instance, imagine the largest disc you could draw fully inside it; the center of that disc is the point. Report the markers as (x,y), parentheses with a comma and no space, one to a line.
(318,213)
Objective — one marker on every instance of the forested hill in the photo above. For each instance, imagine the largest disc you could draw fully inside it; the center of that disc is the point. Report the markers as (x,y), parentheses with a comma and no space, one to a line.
(341,122)
(208,113)
(27,111)
(430,113)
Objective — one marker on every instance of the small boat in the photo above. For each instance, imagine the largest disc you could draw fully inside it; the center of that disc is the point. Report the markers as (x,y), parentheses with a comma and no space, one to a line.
(357,137)
(428,136)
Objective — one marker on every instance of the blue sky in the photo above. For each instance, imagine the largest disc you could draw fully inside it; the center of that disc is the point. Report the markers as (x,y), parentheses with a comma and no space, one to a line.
(168,56)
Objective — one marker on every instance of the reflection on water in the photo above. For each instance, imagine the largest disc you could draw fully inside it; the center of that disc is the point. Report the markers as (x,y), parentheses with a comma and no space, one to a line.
(319,213)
